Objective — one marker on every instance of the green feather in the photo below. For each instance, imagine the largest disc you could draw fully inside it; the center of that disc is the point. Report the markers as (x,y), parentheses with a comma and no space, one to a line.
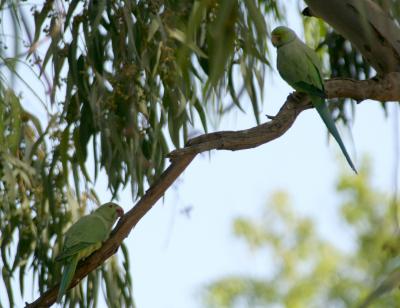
(69,271)
(83,238)
(310,89)
(323,111)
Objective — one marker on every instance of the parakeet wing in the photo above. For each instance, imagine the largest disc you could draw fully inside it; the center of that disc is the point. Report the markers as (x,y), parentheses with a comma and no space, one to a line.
(85,232)
(310,89)
(299,66)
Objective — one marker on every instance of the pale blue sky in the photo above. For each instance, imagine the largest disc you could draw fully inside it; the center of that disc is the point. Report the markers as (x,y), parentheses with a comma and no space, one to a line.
(173,257)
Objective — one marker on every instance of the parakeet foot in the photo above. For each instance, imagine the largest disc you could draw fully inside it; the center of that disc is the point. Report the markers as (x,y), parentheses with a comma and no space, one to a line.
(297,96)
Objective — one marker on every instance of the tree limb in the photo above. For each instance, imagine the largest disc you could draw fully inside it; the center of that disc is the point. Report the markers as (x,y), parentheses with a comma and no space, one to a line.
(365,24)
(385,89)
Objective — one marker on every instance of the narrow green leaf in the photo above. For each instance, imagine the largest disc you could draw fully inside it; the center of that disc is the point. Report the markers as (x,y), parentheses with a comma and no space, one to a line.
(154,26)
(180,36)
(231,89)
(64,148)
(201,114)
(40,17)
(257,18)
(75,173)
(71,8)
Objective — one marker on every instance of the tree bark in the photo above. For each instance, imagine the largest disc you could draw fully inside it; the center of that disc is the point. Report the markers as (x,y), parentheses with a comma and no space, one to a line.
(367,26)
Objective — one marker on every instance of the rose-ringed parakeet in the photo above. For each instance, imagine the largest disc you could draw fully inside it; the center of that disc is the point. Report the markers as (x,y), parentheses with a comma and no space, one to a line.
(300,67)
(83,238)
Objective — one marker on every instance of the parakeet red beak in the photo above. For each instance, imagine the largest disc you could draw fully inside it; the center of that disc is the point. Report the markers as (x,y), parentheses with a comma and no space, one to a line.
(275,40)
(120,211)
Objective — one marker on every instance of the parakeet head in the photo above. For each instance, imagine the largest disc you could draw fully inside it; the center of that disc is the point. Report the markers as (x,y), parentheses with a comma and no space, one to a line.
(282,35)
(111,211)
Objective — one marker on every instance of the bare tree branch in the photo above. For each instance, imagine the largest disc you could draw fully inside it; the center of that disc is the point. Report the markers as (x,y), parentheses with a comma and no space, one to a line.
(385,89)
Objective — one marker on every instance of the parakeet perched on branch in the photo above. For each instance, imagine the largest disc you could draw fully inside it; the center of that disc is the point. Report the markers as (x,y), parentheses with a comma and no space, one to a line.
(83,238)
(300,67)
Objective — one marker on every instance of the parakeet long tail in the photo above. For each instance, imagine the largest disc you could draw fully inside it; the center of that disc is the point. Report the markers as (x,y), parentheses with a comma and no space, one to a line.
(69,271)
(323,111)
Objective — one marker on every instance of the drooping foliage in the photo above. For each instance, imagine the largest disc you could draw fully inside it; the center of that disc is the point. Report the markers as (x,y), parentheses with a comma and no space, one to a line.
(123,81)
(137,67)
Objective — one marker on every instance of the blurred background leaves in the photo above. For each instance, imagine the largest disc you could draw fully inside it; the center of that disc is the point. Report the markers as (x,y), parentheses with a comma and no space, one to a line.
(308,269)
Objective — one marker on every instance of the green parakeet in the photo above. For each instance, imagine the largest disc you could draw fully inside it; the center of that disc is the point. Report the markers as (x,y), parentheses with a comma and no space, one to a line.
(300,67)
(83,238)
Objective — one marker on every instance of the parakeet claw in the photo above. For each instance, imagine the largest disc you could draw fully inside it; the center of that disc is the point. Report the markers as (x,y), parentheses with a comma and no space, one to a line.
(297,96)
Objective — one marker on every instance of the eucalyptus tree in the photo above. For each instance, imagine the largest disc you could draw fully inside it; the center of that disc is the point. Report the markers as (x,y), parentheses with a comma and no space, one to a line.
(124,83)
